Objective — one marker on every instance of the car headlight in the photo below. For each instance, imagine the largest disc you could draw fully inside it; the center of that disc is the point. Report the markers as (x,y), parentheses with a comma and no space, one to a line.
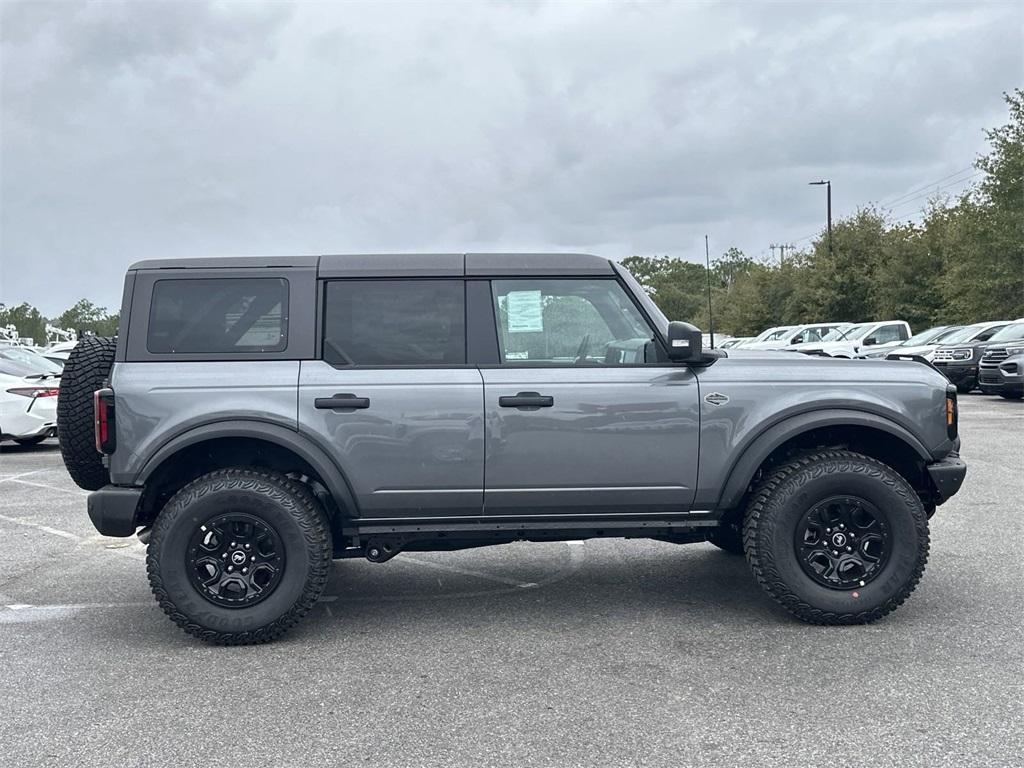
(963,354)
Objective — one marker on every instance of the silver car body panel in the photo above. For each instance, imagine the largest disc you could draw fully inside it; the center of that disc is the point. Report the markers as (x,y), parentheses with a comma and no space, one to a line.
(157,402)
(616,439)
(417,450)
(767,388)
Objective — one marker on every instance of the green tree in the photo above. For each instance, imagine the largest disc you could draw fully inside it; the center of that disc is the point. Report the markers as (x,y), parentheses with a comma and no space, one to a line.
(86,316)
(27,319)
(984,243)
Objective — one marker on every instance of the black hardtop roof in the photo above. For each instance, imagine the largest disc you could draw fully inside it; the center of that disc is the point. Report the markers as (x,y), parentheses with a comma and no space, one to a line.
(407,264)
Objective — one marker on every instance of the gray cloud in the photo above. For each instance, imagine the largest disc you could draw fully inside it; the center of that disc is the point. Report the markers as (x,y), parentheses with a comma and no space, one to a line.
(154,130)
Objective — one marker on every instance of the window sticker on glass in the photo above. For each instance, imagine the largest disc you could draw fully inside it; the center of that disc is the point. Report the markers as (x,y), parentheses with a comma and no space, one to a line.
(525,312)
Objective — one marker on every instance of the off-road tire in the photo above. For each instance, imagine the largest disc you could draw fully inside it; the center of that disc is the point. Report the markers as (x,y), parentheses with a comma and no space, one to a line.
(86,370)
(728,537)
(780,501)
(294,514)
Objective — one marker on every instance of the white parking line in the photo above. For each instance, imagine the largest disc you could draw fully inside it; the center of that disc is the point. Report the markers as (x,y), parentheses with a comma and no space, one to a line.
(464,572)
(73,491)
(130,549)
(23,474)
(41,527)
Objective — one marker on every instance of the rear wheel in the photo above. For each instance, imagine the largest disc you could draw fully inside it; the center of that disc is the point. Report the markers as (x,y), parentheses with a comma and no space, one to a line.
(239,556)
(86,371)
(836,537)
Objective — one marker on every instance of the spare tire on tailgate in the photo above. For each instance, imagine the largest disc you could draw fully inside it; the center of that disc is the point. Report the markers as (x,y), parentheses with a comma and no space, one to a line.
(86,371)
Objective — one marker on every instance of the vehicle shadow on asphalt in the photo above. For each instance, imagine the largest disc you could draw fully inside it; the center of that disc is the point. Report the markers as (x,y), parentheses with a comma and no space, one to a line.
(695,585)
(47,446)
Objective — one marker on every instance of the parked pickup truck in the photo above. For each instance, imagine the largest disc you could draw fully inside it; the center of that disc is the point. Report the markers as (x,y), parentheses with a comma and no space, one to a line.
(257,418)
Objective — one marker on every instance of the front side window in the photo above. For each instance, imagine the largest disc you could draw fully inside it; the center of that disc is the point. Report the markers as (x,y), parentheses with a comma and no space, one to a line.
(395,322)
(569,322)
(218,315)
(889,333)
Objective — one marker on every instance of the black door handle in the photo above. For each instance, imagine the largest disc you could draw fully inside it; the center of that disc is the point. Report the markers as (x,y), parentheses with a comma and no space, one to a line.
(526,400)
(343,400)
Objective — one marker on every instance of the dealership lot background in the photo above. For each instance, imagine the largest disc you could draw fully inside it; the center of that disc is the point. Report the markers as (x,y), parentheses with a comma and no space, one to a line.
(603,652)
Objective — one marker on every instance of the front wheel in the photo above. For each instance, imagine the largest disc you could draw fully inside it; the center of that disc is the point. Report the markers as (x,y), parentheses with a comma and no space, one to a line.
(1012,395)
(836,537)
(239,556)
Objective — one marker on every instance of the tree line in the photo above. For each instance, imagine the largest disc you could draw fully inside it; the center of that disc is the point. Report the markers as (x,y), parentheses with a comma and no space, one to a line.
(963,263)
(83,316)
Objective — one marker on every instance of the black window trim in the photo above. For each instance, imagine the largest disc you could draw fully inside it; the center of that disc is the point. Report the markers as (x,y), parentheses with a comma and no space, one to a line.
(244,353)
(661,362)
(321,324)
(481,321)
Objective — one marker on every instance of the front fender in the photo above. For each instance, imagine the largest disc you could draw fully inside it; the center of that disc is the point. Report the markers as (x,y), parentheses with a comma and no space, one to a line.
(758,448)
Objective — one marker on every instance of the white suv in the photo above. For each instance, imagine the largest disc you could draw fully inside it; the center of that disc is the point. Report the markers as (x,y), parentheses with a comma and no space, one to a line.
(848,342)
(798,335)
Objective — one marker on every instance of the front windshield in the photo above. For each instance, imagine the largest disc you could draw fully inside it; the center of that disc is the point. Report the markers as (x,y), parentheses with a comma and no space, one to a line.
(964,334)
(28,360)
(932,334)
(1012,332)
(772,333)
(850,333)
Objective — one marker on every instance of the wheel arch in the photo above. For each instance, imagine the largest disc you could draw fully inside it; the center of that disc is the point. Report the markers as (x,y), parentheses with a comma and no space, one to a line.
(240,443)
(867,433)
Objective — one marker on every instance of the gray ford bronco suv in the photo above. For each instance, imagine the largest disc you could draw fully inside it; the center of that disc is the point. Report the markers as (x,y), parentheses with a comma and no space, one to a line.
(256,418)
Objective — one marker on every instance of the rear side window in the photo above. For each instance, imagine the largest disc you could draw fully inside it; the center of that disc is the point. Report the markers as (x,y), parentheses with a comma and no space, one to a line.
(395,322)
(218,315)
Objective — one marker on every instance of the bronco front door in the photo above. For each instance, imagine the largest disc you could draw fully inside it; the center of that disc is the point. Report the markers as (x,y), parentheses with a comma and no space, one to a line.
(581,417)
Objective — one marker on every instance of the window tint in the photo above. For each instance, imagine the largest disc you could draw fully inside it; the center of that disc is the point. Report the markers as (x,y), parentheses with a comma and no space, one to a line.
(889,333)
(1011,332)
(218,315)
(567,322)
(395,322)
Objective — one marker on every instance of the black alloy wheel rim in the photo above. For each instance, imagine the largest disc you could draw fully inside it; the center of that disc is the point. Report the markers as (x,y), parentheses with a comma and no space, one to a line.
(843,542)
(235,560)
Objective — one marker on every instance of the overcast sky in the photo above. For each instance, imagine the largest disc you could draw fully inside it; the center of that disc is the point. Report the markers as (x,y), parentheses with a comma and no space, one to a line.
(144,130)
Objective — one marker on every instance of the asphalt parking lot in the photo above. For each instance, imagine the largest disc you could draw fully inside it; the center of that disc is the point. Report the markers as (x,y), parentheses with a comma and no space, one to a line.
(600,653)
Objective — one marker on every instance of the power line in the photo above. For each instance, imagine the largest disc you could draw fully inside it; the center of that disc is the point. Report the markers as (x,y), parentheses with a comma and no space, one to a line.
(927,186)
(914,195)
(932,191)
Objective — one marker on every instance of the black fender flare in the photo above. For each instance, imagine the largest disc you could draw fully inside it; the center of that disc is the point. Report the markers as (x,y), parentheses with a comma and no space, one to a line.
(760,448)
(296,442)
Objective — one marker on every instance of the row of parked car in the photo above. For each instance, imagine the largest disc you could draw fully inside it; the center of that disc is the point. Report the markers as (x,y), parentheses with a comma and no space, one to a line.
(987,356)
(29,385)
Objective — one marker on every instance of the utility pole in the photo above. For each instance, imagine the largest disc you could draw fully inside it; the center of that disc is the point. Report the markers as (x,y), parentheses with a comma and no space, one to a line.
(827,183)
(772,248)
(707,268)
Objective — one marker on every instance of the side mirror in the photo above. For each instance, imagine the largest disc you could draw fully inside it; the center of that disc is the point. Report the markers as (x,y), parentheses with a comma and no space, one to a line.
(684,342)
(870,340)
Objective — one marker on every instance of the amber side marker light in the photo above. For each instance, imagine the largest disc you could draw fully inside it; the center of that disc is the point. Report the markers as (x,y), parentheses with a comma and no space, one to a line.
(952,413)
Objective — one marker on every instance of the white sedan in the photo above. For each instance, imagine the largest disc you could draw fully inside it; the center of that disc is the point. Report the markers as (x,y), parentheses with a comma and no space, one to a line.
(29,384)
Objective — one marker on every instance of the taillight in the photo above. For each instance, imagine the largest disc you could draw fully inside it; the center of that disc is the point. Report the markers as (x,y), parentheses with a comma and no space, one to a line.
(34,391)
(952,413)
(103,411)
